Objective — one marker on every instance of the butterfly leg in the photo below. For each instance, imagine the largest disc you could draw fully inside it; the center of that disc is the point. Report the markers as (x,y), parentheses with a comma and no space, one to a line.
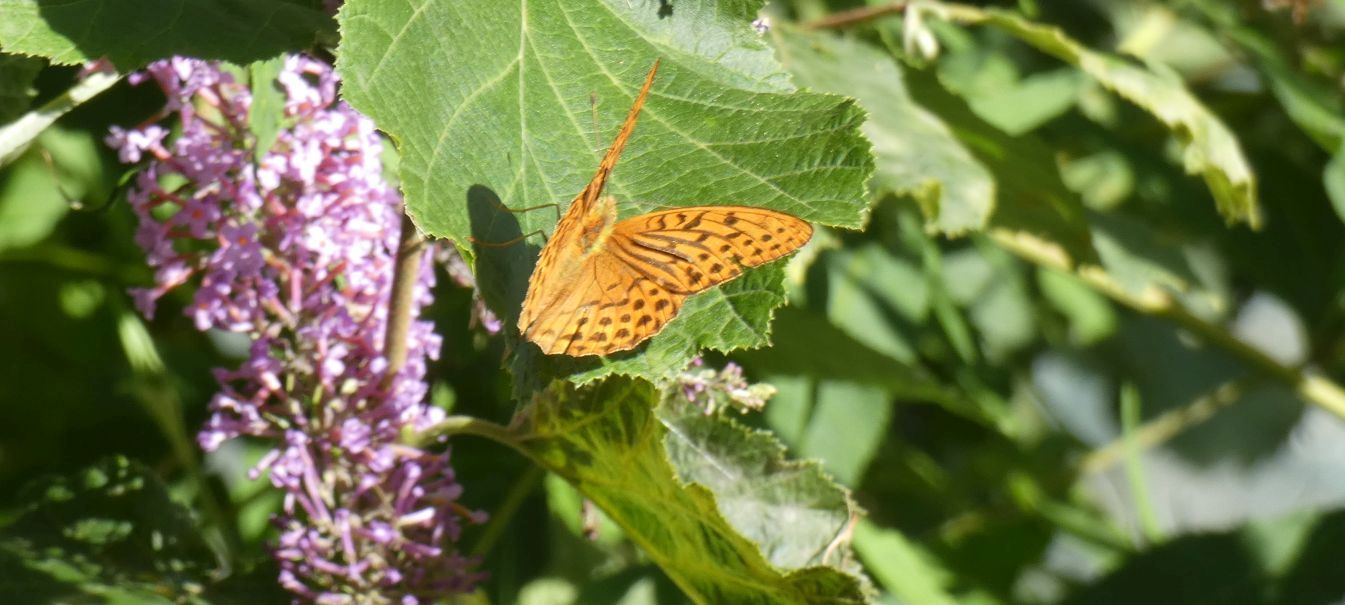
(505,244)
(501,207)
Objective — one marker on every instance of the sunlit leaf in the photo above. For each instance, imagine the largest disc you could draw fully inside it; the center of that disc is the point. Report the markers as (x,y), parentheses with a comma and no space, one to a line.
(902,567)
(511,120)
(728,519)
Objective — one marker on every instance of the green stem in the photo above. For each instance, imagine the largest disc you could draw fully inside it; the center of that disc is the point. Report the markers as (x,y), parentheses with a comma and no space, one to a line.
(410,252)
(468,425)
(16,136)
(856,16)
(500,519)
(1164,427)
(1155,301)
(1139,490)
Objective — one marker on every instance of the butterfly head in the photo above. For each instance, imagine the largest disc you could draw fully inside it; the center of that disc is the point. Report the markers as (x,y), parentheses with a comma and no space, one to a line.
(598,225)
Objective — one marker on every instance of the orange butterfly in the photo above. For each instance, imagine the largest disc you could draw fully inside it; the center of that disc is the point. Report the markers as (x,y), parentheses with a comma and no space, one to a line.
(603,285)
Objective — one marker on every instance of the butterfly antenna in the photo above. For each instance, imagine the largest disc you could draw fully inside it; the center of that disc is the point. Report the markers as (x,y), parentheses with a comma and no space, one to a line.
(593,111)
(591,193)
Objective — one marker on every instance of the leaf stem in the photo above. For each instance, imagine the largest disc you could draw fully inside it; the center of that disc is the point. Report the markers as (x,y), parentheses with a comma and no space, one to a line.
(855,16)
(1139,488)
(1166,426)
(1152,300)
(469,425)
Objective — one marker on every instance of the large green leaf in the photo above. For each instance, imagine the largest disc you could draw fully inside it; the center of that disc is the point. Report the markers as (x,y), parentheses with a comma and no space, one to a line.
(132,33)
(1211,150)
(729,519)
(492,105)
(915,152)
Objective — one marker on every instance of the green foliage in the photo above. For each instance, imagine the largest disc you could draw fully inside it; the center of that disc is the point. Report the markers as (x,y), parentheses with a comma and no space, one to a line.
(1071,357)
(110,530)
(19,134)
(131,34)
(1211,149)
(704,498)
(268,103)
(914,152)
(16,84)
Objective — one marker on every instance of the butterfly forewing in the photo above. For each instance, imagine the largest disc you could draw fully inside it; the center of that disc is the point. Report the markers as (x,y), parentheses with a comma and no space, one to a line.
(690,249)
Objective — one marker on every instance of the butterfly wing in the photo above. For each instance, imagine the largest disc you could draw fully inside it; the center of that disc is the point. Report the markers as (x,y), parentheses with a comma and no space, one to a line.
(609,307)
(619,296)
(688,250)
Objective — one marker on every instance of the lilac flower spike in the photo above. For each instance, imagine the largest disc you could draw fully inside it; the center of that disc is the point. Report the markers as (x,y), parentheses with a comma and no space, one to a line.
(296,250)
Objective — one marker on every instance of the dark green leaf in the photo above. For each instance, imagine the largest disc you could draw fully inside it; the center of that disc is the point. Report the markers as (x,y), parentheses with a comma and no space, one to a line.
(1211,150)
(1316,107)
(16,85)
(110,528)
(1034,202)
(133,33)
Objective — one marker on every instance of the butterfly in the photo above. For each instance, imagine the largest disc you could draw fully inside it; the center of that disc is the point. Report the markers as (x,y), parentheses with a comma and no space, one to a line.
(603,285)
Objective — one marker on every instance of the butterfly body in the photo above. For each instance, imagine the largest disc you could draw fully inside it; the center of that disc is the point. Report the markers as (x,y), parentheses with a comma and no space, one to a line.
(603,285)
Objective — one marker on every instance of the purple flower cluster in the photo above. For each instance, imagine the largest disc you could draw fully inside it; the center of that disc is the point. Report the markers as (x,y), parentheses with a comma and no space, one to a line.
(715,390)
(295,247)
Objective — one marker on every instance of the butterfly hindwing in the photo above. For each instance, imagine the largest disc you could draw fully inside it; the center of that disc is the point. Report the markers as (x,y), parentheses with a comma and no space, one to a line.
(611,307)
